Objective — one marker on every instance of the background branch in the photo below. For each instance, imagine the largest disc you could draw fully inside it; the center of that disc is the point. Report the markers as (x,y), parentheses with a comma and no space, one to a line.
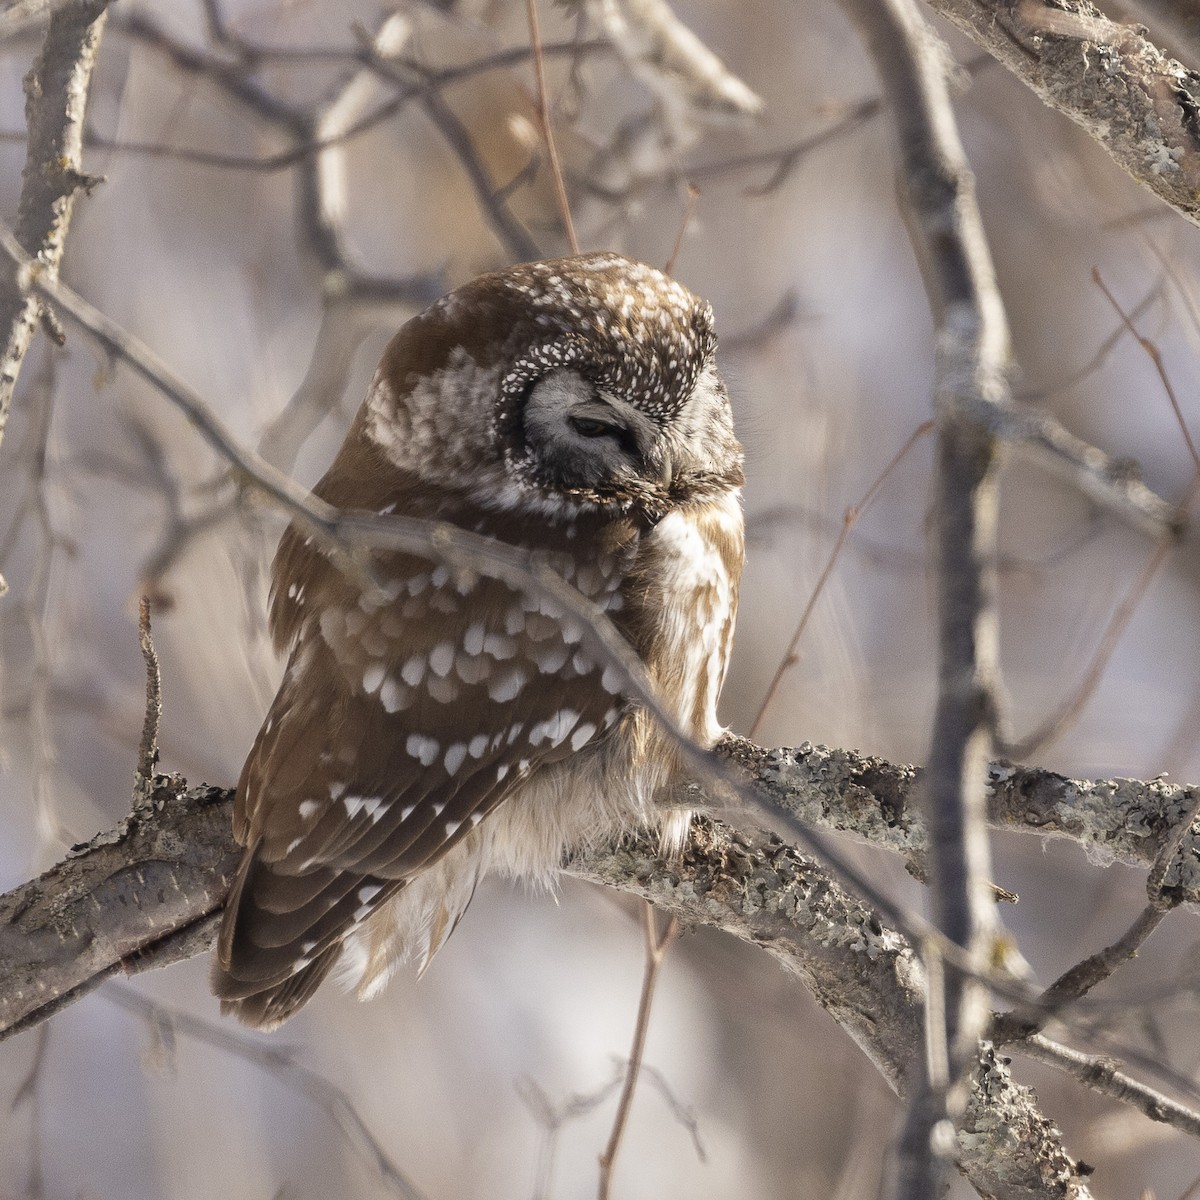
(56,91)
(1109,78)
(972,361)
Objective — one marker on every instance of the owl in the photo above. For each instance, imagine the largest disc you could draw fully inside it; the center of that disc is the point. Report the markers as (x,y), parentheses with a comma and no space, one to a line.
(437,725)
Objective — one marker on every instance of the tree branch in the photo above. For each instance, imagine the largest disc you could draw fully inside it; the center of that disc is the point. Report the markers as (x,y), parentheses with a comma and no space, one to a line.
(56,91)
(147,893)
(1140,105)
(972,362)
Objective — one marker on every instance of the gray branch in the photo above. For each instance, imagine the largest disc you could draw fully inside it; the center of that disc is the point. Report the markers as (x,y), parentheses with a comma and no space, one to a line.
(972,363)
(148,892)
(56,91)
(1140,105)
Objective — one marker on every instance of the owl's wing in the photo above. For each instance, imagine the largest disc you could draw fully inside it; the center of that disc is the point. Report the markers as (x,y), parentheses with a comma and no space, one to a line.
(404,717)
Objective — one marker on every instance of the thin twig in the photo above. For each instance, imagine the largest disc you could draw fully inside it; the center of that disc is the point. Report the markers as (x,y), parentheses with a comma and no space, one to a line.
(657,945)
(1101,353)
(543,110)
(280,1062)
(148,747)
(517,240)
(1057,724)
(1072,985)
(1157,359)
(1054,726)
(849,520)
(1103,1075)
(1080,979)
(689,211)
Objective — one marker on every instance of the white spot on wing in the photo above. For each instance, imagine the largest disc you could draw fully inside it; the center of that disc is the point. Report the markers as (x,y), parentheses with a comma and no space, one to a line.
(413,670)
(373,806)
(423,748)
(441,658)
(499,646)
(507,685)
(473,638)
(554,729)
(582,735)
(393,695)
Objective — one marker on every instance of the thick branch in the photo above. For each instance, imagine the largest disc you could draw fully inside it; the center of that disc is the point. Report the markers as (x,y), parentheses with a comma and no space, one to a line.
(1122,820)
(117,903)
(56,90)
(1126,820)
(1140,105)
(143,893)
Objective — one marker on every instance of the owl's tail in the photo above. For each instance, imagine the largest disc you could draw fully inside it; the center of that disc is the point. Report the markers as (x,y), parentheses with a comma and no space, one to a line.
(281,934)
(272,1006)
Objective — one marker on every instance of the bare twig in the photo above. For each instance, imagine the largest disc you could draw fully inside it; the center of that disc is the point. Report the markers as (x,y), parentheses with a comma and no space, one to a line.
(1102,351)
(1113,483)
(657,945)
(849,521)
(1059,721)
(685,76)
(516,239)
(1054,726)
(1105,1076)
(551,1118)
(1157,359)
(1075,983)
(689,212)
(56,98)
(280,1062)
(148,747)
(543,111)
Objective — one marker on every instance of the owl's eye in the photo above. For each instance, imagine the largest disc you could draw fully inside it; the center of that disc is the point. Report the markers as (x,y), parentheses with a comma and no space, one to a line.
(589,427)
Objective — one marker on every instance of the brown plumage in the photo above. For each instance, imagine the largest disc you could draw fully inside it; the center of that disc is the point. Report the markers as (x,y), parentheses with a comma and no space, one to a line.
(444,725)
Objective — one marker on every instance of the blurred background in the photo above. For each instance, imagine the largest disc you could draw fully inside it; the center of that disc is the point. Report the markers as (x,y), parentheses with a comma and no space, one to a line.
(494,1076)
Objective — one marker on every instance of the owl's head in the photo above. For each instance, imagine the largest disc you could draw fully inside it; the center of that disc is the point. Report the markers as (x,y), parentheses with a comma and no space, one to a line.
(579,383)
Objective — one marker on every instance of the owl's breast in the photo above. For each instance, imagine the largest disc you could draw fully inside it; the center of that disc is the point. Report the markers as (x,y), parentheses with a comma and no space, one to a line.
(686,580)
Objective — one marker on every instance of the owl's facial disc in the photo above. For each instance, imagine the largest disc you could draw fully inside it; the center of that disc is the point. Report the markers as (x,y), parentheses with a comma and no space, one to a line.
(582,438)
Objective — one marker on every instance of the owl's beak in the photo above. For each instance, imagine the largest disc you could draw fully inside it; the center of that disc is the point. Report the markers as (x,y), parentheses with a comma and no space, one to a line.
(666,471)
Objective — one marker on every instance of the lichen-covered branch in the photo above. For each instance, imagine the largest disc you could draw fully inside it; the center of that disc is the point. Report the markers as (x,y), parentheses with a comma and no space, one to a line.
(56,91)
(1140,105)
(1114,820)
(144,895)
(865,975)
